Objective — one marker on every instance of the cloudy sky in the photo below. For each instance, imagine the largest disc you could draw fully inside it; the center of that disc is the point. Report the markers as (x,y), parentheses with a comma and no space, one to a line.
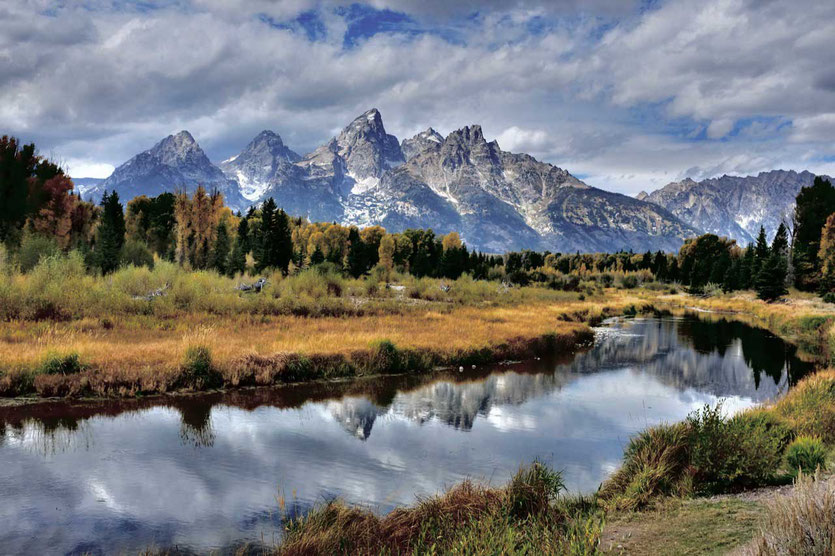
(628,95)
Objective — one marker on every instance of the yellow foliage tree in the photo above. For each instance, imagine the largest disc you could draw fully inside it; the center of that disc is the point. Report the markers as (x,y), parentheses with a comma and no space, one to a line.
(387,249)
(826,254)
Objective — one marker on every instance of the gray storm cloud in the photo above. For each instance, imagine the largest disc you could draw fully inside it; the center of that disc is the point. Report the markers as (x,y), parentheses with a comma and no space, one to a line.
(628,98)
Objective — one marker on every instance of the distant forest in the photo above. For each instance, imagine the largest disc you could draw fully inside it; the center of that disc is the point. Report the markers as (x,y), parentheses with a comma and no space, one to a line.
(41,216)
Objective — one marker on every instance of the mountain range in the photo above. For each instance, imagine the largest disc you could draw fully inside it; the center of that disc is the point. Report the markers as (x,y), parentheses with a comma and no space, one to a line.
(732,206)
(496,200)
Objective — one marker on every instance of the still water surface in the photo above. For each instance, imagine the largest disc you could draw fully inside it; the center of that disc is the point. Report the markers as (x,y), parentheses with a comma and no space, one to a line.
(206,473)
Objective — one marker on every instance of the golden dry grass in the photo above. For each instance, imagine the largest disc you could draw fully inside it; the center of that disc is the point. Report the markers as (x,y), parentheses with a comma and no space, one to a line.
(145,352)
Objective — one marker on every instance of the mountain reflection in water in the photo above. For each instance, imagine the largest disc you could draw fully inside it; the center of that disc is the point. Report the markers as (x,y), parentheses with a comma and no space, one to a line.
(206,471)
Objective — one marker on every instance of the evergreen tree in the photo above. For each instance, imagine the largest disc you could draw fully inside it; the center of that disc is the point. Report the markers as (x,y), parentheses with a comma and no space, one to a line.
(111,233)
(237,260)
(747,271)
(659,266)
(720,268)
(317,257)
(673,273)
(771,278)
(813,206)
(731,280)
(243,235)
(282,238)
(219,259)
(761,250)
(356,254)
(265,250)
(780,243)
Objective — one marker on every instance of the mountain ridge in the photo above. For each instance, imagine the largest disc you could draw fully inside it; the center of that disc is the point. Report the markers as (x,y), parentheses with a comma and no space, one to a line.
(734,206)
(497,200)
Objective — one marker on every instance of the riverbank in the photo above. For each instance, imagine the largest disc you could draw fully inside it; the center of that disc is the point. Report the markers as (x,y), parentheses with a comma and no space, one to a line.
(132,354)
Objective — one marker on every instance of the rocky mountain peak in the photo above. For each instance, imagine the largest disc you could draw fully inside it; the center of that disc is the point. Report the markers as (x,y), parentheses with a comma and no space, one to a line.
(267,137)
(176,162)
(366,151)
(421,142)
(256,166)
(469,135)
(176,149)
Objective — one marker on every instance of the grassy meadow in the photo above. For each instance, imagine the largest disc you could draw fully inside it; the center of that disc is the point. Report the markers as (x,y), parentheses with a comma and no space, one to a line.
(64,332)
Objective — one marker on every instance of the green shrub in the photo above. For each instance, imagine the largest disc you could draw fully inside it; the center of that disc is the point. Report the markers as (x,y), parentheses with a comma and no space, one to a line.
(383,357)
(829,297)
(629,282)
(56,364)
(34,248)
(197,369)
(806,454)
(745,450)
(136,253)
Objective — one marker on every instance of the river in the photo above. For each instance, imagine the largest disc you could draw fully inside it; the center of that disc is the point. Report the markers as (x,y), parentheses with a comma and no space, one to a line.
(217,471)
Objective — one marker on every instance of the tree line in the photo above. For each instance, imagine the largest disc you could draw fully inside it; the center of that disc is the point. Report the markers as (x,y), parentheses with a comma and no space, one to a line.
(40,214)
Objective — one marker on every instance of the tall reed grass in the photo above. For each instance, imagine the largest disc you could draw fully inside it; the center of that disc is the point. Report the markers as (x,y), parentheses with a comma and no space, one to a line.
(528,516)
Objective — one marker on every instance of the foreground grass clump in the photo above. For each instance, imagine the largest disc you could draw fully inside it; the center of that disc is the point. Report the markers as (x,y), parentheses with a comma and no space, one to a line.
(809,408)
(526,517)
(806,454)
(802,522)
(707,453)
(57,364)
(197,369)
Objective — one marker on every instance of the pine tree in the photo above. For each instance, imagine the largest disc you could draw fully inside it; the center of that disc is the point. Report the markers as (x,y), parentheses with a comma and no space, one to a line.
(237,260)
(813,206)
(780,243)
(761,250)
(264,250)
(659,266)
(111,233)
(317,257)
(771,278)
(282,238)
(747,271)
(731,280)
(780,248)
(219,258)
(355,261)
(243,234)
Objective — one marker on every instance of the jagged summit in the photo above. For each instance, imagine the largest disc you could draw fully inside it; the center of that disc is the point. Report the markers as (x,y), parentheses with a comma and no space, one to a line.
(176,162)
(256,167)
(422,141)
